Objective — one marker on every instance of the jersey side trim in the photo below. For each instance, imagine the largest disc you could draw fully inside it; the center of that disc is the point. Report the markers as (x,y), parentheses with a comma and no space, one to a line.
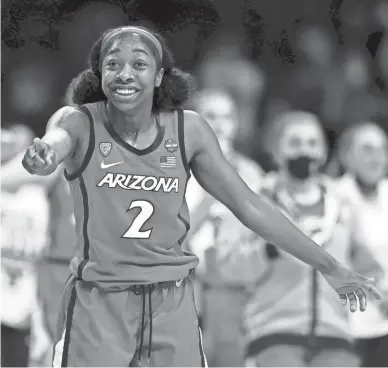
(182,239)
(181,138)
(90,150)
(69,322)
(185,222)
(85,203)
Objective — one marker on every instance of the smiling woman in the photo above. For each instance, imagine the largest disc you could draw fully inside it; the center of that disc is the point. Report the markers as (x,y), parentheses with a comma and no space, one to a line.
(175,86)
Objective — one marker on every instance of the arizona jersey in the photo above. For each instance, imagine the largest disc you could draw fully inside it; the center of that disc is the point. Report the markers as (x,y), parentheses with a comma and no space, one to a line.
(129,204)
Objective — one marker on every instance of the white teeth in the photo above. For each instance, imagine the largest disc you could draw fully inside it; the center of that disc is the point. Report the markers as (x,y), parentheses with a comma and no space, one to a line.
(125,92)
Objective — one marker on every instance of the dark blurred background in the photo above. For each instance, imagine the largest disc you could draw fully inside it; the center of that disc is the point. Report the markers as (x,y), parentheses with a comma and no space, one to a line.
(321,55)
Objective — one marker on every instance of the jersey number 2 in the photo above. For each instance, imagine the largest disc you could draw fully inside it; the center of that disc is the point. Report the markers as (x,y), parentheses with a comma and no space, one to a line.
(146,211)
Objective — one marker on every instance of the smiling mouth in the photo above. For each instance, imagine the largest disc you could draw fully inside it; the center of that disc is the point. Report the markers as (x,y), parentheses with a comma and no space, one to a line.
(128,92)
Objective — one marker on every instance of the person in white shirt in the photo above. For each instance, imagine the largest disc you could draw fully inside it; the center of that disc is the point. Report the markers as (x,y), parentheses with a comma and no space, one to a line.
(363,152)
(24,235)
(215,235)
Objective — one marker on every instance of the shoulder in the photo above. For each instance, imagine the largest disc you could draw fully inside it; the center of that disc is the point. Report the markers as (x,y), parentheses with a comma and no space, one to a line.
(68,117)
(199,136)
(194,122)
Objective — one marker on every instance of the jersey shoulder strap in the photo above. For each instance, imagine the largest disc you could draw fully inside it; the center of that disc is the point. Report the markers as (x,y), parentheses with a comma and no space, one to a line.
(91,145)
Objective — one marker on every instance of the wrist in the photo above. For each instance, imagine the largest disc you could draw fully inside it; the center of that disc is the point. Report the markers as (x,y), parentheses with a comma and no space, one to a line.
(328,265)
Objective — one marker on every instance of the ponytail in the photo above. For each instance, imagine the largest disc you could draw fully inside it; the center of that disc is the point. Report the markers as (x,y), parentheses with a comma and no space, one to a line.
(85,88)
(176,89)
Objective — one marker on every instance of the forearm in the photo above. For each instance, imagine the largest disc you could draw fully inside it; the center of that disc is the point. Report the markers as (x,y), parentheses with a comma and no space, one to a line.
(266,220)
(60,141)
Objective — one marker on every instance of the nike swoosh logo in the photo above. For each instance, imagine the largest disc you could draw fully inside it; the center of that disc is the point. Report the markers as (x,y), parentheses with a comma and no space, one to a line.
(106,166)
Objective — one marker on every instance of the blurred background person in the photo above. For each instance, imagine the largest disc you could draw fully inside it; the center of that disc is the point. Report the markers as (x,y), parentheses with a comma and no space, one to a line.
(293,318)
(24,234)
(363,153)
(225,54)
(53,266)
(220,291)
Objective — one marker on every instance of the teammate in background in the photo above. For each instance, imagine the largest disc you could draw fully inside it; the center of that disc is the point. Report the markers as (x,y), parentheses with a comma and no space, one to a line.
(24,225)
(293,318)
(128,151)
(363,152)
(213,237)
(53,267)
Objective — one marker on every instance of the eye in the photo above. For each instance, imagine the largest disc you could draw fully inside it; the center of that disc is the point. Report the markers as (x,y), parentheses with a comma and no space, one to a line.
(140,64)
(113,63)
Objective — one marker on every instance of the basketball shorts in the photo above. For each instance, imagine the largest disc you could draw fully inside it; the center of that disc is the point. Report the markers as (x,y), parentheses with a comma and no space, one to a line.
(146,325)
(52,278)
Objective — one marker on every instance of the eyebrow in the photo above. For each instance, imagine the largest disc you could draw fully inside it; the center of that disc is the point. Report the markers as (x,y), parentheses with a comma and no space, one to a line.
(113,51)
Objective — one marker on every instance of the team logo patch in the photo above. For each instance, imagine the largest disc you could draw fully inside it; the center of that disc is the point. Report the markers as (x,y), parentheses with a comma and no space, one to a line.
(105,148)
(170,145)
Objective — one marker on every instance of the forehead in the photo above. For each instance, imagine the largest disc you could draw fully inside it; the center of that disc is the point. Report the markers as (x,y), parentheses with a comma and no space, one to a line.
(129,42)
(370,136)
(216,104)
(304,127)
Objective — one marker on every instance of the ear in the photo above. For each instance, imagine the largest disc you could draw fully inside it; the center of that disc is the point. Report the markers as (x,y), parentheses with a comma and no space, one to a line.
(159,77)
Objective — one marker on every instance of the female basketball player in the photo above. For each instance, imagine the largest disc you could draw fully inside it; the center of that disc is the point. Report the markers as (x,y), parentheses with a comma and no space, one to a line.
(128,152)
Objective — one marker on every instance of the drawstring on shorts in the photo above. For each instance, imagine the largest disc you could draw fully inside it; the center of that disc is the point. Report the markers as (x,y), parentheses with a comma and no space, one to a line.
(138,291)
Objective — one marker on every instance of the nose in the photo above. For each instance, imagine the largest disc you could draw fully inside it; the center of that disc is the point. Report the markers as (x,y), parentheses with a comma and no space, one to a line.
(126,73)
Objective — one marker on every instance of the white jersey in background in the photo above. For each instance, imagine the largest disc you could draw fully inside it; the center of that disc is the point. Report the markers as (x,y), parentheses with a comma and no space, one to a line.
(371,217)
(24,235)
(213,225)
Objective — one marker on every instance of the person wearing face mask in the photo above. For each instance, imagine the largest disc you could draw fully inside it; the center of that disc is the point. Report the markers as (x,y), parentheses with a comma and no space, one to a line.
(292,317)
(215,235)
(363,152)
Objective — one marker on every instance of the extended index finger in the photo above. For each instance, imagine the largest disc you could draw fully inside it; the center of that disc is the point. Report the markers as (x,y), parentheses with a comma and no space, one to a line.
(372,289)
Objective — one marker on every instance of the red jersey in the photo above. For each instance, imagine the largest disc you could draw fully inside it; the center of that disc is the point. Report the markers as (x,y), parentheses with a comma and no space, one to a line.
(130,208)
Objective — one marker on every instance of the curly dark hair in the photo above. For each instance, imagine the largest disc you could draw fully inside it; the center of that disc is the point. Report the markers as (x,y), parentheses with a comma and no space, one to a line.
(175,89)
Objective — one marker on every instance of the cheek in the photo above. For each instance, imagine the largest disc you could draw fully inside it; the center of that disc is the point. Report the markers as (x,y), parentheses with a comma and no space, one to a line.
(147,79)
(321,154)
(106,78)
(289,150)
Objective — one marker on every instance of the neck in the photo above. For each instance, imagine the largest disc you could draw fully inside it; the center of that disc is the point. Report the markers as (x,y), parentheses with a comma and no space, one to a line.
(367,189)
(295,185)
(307,189)
(130,122)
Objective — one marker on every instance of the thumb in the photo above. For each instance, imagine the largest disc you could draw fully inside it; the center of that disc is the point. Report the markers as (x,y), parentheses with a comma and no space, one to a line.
(367,280)
(50,157)
(362,279)
(39,145)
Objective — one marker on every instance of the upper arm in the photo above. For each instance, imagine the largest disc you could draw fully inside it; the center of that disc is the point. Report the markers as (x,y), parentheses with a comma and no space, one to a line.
(66,130)
(209,166)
